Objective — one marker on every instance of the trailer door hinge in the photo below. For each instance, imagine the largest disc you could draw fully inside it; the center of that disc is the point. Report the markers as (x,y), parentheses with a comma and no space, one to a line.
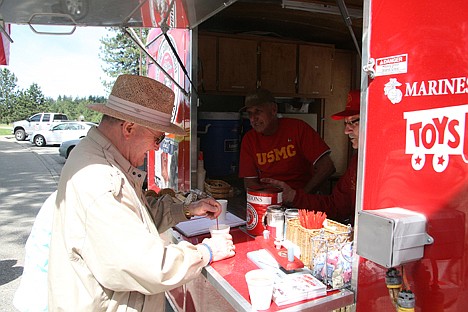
(369,68)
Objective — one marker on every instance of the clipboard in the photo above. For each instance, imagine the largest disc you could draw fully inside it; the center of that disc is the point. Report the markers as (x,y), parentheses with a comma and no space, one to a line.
(200,225)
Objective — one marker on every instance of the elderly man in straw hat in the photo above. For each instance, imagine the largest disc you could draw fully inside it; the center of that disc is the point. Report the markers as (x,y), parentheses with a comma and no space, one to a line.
(106,253)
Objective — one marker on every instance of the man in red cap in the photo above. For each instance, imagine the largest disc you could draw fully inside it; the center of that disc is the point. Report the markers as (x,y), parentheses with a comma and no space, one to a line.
(340,205)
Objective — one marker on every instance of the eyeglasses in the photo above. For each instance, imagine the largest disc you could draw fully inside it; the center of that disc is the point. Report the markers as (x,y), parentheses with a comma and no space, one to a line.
(159,139)
(352,123)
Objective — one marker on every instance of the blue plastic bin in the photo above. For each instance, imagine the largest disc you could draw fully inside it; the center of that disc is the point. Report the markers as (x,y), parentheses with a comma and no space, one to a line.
(219,142)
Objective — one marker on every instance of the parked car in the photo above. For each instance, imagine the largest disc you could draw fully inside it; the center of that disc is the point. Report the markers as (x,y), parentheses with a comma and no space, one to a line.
(22,129)
(67,146)
(61,132)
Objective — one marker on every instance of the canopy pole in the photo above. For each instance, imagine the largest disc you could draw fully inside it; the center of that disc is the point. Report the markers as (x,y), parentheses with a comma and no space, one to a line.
(4,32)
(349,23)
(135,39)
(194,88)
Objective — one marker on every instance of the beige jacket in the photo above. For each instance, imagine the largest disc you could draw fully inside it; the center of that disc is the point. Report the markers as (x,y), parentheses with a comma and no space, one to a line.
(106,253)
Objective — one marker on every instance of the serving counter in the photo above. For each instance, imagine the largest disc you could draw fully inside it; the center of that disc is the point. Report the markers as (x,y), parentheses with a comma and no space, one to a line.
(222,285)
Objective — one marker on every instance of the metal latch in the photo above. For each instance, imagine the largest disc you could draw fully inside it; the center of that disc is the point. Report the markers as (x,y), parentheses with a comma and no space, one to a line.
(369,68)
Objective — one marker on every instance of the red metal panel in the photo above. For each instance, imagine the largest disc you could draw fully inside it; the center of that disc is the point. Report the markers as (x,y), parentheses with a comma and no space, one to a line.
(416,154)
(154,13)
(171,165)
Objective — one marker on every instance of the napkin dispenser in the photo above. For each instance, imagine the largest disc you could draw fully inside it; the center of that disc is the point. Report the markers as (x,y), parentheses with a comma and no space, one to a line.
(391,236)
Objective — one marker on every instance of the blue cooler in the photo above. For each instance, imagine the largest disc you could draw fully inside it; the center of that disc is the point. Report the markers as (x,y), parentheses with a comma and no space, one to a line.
(219,142)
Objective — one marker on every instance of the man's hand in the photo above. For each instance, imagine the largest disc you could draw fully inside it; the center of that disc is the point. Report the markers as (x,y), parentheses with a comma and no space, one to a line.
(323,169)
(208,207)
(249,182)
(288,192)
(221,246)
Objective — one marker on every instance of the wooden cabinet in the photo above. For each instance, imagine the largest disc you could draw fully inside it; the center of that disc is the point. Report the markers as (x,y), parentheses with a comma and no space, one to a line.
(278,64)
(237,65)
(315,70)
(207,63)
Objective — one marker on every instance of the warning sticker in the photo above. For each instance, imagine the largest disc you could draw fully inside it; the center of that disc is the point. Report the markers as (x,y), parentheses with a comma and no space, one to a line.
(391,65)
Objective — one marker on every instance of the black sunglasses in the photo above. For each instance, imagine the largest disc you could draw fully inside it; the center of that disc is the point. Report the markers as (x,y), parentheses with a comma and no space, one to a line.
(160,139)
(352,123)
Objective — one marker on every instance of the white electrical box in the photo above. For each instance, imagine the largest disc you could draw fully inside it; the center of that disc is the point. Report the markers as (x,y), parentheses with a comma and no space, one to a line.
(391,236)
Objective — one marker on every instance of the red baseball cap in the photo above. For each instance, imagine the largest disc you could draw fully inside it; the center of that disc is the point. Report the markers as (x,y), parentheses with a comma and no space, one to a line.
(353,105)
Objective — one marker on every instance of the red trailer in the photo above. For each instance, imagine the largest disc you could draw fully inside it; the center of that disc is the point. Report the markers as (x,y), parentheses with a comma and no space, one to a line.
(414,95)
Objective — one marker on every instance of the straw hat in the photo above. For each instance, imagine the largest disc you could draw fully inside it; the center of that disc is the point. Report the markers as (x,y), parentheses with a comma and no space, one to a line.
(141,100)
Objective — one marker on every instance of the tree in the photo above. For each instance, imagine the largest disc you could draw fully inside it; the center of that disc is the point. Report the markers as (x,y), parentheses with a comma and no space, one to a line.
(74,108)
(36,98)
(122,55)
(29,102)
(8,95)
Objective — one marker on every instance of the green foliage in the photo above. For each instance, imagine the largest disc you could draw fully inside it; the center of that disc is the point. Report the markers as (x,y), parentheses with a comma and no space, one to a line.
(28,102)
(118,51)
(74,108)
(20,104)
(8,94)
(122,55)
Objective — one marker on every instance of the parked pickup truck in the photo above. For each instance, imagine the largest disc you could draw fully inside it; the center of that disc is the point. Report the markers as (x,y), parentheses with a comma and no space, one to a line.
(41,121)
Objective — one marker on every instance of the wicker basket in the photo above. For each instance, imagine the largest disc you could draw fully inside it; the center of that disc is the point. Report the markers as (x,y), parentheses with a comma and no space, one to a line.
(302,237)
(218,189)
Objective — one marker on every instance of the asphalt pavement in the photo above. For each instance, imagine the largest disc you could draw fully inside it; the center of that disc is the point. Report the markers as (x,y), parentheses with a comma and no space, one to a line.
(28,175)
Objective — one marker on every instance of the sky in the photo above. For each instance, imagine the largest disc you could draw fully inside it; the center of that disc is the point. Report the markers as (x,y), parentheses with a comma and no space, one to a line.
(59,64)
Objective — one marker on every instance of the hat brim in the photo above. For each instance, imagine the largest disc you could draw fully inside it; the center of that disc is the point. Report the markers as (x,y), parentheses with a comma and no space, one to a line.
(255,105)
(102,108)
(344,114)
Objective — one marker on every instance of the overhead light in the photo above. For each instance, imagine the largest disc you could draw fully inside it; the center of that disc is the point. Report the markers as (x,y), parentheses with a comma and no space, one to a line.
(319,7)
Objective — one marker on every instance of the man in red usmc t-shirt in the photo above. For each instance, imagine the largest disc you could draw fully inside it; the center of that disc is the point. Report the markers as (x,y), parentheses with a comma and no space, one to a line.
(284,149)
(340,205)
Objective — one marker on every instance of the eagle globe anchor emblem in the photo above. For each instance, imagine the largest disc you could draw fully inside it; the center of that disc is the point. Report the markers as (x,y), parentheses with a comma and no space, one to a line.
(393,94)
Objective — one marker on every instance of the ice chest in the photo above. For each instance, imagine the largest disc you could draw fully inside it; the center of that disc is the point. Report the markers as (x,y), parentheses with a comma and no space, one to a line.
(219,141)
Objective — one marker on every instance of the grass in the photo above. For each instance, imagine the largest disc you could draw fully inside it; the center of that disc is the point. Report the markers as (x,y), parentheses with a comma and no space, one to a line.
(5,129)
